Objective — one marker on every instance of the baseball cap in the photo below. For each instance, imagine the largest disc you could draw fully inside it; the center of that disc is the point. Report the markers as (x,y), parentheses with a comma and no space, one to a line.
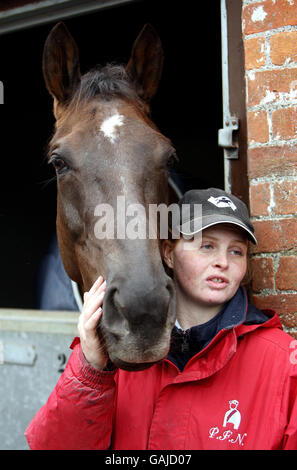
(215,207)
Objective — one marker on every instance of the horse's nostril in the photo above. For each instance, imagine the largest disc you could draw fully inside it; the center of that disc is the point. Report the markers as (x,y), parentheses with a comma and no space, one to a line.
(110,296)
(116,337)
(113,316)
(116,300)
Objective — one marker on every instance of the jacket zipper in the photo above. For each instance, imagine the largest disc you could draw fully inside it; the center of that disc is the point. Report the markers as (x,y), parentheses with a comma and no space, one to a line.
(185,347)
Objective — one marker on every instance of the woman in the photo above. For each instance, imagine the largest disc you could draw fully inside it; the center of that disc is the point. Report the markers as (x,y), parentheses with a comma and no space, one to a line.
(228,382)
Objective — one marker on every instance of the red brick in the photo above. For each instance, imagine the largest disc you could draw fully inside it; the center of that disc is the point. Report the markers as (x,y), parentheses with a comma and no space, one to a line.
(262,274)
(270,86)
(277,161)
(259,199)
(289,320)
(285,196)
(282,303)
(254,53)
(268,15)
(286,277)
(284,123)
(283,46)
(258,130)
(275,235)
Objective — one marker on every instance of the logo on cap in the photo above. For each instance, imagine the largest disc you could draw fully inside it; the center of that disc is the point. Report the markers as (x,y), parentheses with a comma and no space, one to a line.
(222,201)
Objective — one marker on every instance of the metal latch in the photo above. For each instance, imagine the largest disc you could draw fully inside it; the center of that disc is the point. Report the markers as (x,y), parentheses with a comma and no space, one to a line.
(228,137)
(17,353)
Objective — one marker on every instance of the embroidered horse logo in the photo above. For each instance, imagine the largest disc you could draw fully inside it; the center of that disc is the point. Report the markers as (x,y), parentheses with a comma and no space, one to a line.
(222,201)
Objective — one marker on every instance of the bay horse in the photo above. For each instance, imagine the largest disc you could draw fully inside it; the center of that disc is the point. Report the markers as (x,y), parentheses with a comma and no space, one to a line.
(105,145)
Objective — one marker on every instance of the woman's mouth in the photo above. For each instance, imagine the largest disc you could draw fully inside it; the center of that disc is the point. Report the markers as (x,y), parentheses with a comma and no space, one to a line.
(217,282)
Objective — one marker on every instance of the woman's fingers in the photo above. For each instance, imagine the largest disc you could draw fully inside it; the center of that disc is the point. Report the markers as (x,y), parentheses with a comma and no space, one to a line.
(96,284)
(87,324)
(94,297)
(91,324)
(95,302)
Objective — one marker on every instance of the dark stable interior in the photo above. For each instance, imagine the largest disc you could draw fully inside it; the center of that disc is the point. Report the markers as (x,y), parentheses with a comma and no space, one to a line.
(187,109)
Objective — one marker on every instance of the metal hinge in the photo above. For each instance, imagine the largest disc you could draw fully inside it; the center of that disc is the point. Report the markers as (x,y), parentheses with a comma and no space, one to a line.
(228,137)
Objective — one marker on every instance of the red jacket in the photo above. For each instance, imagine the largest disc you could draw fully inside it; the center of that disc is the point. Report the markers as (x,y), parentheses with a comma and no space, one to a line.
(240,392)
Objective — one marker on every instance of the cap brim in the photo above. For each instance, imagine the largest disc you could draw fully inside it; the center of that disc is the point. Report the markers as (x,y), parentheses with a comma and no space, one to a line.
(207,221)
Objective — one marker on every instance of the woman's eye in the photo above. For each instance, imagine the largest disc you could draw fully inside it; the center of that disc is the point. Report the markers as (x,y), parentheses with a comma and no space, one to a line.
(236,252)
(206,246)
(59,164)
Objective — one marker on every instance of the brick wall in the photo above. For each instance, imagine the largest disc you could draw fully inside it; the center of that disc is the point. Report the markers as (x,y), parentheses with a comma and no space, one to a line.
(270,44)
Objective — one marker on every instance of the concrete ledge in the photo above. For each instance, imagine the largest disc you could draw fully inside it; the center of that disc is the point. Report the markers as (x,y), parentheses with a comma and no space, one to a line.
(40,321)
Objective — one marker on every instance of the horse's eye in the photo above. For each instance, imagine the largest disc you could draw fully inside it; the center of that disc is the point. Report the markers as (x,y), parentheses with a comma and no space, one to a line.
(172,160)
(59,164)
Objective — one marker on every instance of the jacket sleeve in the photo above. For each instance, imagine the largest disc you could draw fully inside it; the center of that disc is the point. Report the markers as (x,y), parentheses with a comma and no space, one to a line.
(78,414)
(290,407)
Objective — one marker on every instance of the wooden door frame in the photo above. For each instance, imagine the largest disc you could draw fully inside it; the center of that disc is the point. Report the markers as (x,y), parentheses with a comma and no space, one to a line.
(35,14)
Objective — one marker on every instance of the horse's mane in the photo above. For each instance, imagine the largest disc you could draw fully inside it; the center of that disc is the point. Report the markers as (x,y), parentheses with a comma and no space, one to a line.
(107,81)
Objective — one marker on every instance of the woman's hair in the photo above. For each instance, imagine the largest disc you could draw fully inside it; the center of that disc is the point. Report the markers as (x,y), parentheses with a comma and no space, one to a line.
(248,274)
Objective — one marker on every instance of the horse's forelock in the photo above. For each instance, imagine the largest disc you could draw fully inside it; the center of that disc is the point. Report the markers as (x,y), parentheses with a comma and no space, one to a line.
(107,82)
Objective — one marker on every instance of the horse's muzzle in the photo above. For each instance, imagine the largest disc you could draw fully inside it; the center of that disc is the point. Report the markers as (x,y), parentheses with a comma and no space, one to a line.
(137,321)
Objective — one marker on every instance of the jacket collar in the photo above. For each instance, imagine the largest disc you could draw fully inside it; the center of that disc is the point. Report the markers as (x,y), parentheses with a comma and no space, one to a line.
(238,311)
(235,311)
(239,318)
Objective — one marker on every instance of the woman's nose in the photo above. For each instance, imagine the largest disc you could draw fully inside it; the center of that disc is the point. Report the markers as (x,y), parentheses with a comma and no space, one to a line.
(221,260)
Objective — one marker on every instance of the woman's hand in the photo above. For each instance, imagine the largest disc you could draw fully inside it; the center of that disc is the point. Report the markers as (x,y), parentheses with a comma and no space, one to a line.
(92,349)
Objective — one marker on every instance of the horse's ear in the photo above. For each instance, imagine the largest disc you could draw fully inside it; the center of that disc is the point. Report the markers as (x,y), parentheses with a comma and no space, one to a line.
(60,63)
(146,62)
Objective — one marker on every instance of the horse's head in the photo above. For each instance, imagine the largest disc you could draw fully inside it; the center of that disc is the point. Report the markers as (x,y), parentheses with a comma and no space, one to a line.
(108,154)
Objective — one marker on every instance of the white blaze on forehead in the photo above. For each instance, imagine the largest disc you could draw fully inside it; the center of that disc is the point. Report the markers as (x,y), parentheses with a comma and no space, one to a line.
(109,127)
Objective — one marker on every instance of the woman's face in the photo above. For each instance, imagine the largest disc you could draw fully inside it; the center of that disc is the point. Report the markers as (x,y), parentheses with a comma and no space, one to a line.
(209,268)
